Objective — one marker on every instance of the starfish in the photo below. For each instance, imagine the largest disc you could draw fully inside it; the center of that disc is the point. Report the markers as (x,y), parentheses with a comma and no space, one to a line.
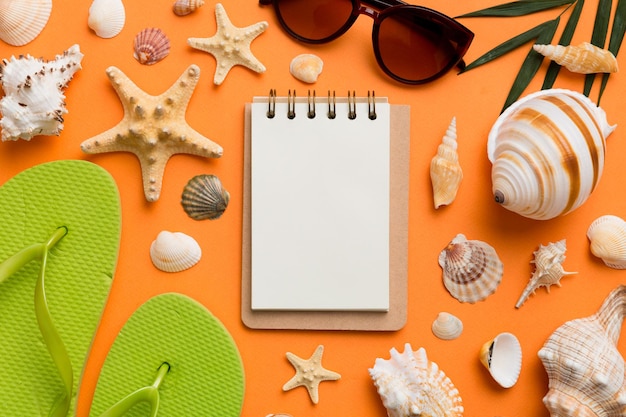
(309,373)
(230,45)
(153,128)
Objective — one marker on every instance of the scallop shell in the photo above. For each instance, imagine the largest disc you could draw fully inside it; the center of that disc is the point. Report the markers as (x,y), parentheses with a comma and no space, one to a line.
(150,46)
(306,67)
(174,251)
(607,238)
(445,171)
(21,21)
(585,58)
(185,7)
(472,269)
(447,326)
(205,198)
(502,356)
(549,270)
(409,385)
(547,151)
(107,17)
(586,371)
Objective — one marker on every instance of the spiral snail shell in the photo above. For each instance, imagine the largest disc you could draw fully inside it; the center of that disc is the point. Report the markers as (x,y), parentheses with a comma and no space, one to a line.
(547,151)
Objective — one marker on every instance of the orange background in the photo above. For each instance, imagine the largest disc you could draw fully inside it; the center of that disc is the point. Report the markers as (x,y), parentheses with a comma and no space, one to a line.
(475,98)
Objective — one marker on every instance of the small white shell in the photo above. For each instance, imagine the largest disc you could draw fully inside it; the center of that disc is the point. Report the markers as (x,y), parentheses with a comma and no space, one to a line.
(447,326)
(107,17)
(607,238)
(174,251)
(185,7)
(502,356)
(306,67)
(150,46)
(22,20)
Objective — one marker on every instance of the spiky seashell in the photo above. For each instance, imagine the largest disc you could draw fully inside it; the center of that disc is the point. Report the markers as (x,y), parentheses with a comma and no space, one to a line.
(445,171)
(204,197)
(584,366)
(107,17)
(33,102)
(585,58)
(472,269)
(185,7)
(447,326)
(502,356)
(409,385)
(607,239)
(150,46)
(174,251)
(22,20)
(549,270)
(306,67)
(547,151)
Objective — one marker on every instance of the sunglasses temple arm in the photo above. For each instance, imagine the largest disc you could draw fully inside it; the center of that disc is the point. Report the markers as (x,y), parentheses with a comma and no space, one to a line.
(461,65)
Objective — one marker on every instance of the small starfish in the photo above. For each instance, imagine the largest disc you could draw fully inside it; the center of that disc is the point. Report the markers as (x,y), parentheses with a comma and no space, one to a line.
(309,373)
(230,45)
(153,128)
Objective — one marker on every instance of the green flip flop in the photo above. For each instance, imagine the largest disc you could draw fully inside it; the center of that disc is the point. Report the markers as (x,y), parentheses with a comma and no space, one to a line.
(172,358)
(59,240)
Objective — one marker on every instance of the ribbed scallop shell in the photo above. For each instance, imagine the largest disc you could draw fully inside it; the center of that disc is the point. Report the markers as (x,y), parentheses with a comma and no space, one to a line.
(502,356)
(107,17)
(410,385)
(585,58)
(22,20)
(547,151)
(306,67)
(607,239)
(185,7)
(150,46)
(205,198)
(447,326)
(445,171)
(174,251)
(472,269)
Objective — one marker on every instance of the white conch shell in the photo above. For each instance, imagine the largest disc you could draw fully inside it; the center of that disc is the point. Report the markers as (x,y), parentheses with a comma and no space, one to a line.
(607,239)
(411,385)
(445,171)
(22,20)
(472,269)
(547,151)
(107,17)
(33,102)
(584,366)
(548,269)
(174,251)
(185,7)
(306,67)
(585,58)
(502,356)
(447,326)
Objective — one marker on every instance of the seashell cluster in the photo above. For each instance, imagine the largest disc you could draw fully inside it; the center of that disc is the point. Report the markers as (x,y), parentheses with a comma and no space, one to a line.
(306,67)
(410,385)
(472,269)
(445,171)
(107,17)
(33,102)
(584,366)
(447,326)
(150,46)
(585,58)
(549,270)
(607,239)
(205,198)
(547,151)
(174,251)
(21,21)
(185,7)
(502,356)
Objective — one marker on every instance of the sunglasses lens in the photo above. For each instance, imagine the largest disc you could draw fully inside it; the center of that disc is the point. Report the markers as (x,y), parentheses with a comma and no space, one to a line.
(314,20)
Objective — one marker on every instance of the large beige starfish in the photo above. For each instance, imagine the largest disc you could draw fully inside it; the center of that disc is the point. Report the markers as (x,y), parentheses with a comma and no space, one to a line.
(153,128)
(309,373)
(230,45)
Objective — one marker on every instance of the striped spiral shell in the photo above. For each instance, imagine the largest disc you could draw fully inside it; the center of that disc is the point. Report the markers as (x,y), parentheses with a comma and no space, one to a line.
(547,151)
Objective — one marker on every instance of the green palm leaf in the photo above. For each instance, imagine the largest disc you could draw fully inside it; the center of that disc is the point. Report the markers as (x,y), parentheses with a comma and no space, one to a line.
(598,36)
(518,8)
(617,36)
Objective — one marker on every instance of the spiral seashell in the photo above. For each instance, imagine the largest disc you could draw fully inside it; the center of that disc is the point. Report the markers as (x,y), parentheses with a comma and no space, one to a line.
(607,238)
(502,356)
(306,67)
(21,21)
(174,251)
(472,269)
(150,46)
(585,58)
(547,151)
(107,17)
(205,198)
(447,326)
(185,7)
(445,171)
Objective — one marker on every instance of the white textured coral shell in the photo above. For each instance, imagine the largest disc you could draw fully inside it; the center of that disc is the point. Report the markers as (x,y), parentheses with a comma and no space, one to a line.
(174,251)
(445,171)
(607,240)
(22,20)
(547,151)
(410,385)
(107,17)
(306,67)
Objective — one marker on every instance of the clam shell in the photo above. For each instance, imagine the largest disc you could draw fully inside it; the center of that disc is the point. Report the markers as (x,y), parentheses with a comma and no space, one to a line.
(502,356)
(472,269)
(445,171)
(585,58)
(607,238)
(22,20)
(185,7)
(205,198)
(107,17)
(150,46)
(447,326)
(174,251)
(306,67)
(547,151)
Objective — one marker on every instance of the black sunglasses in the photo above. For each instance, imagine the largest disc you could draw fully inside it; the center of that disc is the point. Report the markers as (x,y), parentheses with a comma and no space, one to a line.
(412,44)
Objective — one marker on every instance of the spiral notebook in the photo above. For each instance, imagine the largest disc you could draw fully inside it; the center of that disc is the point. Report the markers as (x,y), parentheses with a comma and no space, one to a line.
(325,203)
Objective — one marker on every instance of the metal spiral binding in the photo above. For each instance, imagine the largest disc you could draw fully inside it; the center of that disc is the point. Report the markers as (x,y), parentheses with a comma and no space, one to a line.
(271,107)
(371,105)
(351,105)
(331,106)
(291,105)
(311,103)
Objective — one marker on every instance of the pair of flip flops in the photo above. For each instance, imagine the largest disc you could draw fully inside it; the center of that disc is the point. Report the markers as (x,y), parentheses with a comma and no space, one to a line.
(59,240)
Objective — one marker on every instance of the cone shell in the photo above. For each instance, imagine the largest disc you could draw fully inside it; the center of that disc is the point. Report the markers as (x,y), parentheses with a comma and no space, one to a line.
(472,269)
(205,198)
(583,59)
(607,238)
(447,326)
(150,46)
(185,7)
(502,356)
(409,385)
(445,171)
(306,67)
(547,151)
(107,17)
(174,251)
(22,20)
